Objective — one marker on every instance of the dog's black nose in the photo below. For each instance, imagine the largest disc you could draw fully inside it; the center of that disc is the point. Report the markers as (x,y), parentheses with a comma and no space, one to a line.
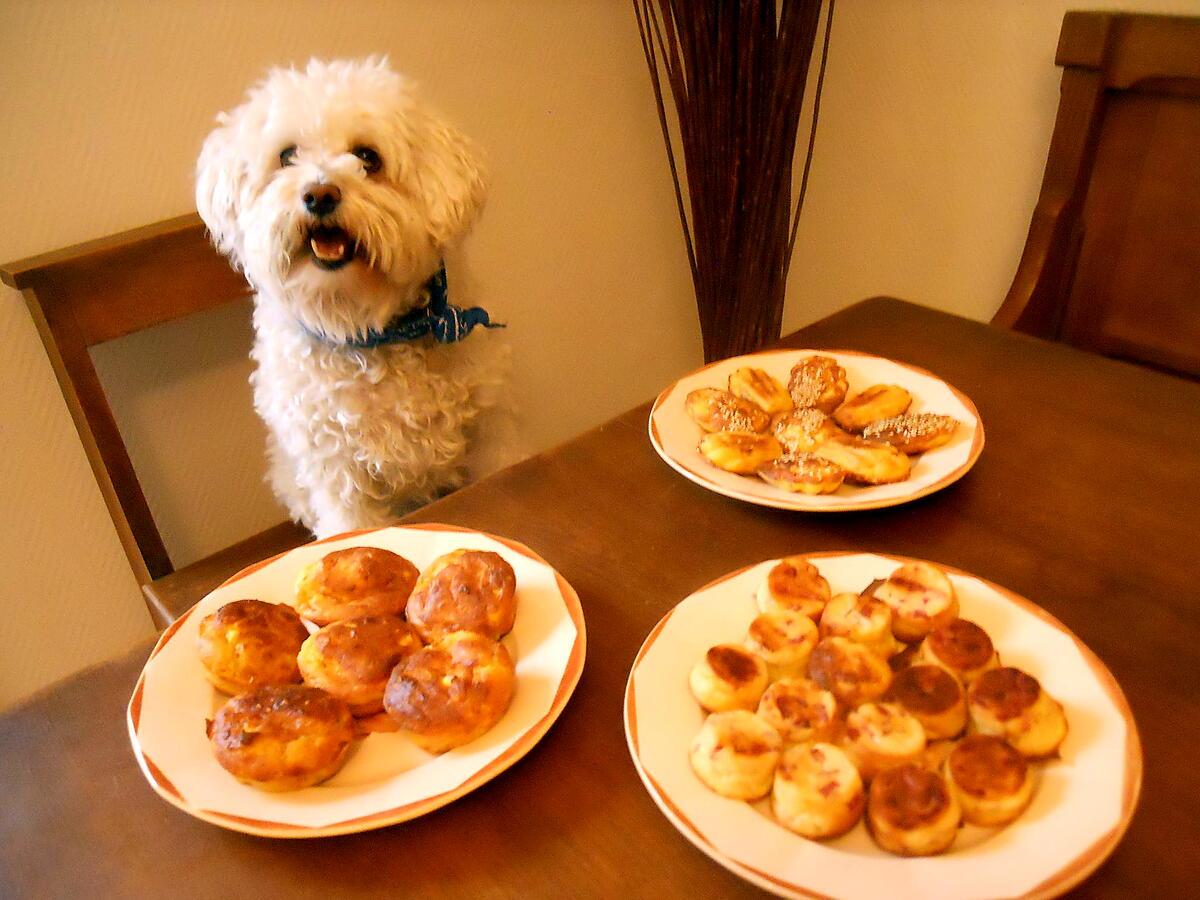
(321,199)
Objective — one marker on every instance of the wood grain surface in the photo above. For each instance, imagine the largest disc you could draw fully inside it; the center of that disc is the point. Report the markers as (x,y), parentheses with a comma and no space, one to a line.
(1086,500)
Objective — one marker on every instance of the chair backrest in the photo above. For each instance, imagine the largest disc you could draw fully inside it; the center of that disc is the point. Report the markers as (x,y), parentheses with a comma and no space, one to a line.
(101,290)
(1112,261)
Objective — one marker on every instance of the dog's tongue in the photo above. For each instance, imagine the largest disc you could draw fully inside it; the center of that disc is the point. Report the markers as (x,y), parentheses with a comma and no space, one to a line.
(329,244)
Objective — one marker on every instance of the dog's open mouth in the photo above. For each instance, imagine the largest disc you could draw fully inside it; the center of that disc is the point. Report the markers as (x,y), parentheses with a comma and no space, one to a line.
(332,247)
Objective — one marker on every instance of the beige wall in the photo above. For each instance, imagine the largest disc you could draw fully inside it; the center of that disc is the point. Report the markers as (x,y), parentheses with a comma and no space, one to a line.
(935,124)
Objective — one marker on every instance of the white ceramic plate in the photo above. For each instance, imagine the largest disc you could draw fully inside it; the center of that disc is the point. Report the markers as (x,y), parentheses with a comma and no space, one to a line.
(675,436)
(387,779)
(1081,808)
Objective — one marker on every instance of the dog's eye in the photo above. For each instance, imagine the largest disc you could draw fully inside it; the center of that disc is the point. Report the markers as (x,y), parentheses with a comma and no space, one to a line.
(287,155)
(370,159)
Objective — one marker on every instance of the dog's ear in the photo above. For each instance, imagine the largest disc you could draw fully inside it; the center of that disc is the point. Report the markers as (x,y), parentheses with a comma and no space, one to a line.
(221,176)
(450,174)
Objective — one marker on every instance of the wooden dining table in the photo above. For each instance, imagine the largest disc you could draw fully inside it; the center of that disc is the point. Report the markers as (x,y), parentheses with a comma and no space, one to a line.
(1086,500)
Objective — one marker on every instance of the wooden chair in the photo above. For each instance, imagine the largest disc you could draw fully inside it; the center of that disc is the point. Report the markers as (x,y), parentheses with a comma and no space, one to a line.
(1112,261)
(104,289)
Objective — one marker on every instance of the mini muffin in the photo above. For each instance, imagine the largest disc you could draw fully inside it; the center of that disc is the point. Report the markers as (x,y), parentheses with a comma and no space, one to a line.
(352,659)
(451,692)
(989,778)
(761,389)
(794,584)
(881,736)
(800,710)
(465,590)
(865,462)
(248,643)
(850,671)
(912,432)
(802,429)
(880,401)
(1011,704)
(817,791)
(962,648)
(934,696)
(862,619)
(802,473)
(282,737)
(357,581)
(728,677)
(818,381)
(922,599)
(739,452)
(716,410)
(784,640)
(735,754)
(911,811)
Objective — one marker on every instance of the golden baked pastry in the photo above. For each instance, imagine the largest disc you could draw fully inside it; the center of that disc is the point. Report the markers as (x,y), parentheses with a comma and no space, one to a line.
(921,597)
(818,381)
(353,658)
(850,671)
(716,410)
(760,388)
(879,401)
(862,619)
(354,582)
(1011,704)
(739,452)
(802,473)
(817,791)
(911,811)
(961,647)
(865,462)
(912,432)
(800,430)
(282,737)
(465,590)
(800,710)
(248,643)
(728,677)
(783,639)
(451,692)
(989,778)
(881,736)
(735,754)
(934,696)
(795,585)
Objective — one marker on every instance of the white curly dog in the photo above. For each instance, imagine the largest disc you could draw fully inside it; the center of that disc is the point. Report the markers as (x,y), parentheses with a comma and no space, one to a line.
(339,196)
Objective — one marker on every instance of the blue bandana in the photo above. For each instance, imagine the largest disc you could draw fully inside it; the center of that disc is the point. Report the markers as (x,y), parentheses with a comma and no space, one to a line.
(440,318)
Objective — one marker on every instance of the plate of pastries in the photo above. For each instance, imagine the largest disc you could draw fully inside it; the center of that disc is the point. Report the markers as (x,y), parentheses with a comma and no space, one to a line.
(357,682)
(816,430)
(860,725)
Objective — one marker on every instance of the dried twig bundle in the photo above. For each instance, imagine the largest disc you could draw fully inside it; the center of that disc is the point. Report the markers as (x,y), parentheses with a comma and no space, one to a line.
(736,70)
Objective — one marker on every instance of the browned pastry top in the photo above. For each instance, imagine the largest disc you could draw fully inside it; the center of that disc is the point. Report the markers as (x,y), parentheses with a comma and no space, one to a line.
(984,765)
(796,578)
(465,590)
(462,678)
(251,642)
(962,645)
(280,714)
(368,648)
(908,797)
(925,689)
(733,664)
(806,711)
(1006,692)
(834,666)
(360,572)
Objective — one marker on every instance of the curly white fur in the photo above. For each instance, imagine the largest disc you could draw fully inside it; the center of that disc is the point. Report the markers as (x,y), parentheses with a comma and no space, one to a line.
(355,436)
